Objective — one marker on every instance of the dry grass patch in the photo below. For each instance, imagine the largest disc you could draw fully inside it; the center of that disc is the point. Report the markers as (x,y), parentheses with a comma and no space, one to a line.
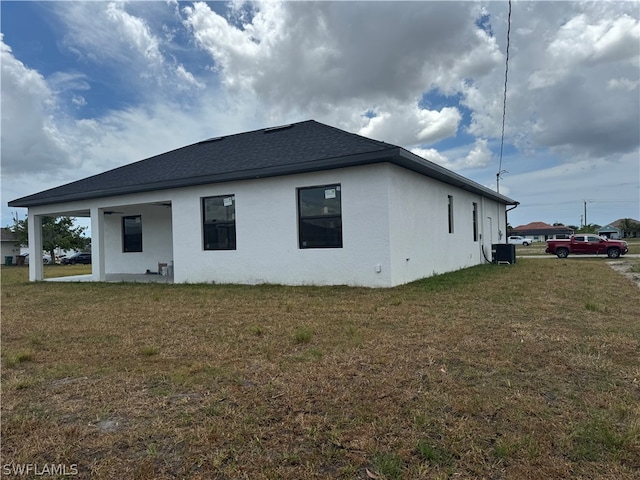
(490,372)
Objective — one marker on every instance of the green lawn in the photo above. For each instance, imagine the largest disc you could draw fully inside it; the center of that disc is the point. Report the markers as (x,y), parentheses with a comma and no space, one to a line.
(523,371)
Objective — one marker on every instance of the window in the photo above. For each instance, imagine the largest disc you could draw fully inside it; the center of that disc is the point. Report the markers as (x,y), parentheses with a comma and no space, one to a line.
(219,222)
(132,234)
(320,217)
(475,222)
(450,214)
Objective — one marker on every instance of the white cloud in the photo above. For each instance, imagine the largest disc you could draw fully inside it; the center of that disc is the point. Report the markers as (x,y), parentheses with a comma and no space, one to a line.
(64,81)
(622,83)
(326,60)
(565,74)
(432,155)
(79,101)
(31,141)
(134,32)
(188,78)
(100,32)
(478,156)
(191,73)
(106,34)
(411,125)
(588,41)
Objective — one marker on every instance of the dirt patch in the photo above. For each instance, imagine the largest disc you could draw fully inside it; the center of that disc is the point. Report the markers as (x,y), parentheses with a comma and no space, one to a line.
(109,424)
(625,267)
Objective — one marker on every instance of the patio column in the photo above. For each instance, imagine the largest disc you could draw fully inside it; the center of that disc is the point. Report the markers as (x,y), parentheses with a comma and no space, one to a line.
(97,245)
(36,273)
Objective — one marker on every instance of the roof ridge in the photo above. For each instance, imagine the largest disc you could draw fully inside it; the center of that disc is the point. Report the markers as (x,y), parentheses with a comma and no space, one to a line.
(248,132)
(372,140)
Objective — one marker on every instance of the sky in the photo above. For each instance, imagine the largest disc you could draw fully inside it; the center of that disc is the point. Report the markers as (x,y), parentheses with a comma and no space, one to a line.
(91,86)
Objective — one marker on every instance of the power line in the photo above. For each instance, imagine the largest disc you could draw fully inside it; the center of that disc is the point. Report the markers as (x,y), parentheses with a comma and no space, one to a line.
(504,100)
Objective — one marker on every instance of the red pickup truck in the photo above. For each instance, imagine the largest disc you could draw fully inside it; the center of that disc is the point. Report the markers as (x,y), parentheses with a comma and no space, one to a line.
(587,244)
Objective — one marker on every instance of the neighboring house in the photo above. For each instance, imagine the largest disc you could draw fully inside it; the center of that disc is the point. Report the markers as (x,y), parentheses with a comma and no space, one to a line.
(610,231)
(616,230)
(10,245)
(540,231)
(298,204)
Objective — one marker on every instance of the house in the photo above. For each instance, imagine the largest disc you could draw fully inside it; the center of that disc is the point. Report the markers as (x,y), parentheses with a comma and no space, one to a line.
(616,230)
(10,248)
(610,231)
(297,204)
(540,231)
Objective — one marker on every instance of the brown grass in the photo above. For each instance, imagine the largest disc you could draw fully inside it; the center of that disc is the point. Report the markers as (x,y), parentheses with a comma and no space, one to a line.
(523,371)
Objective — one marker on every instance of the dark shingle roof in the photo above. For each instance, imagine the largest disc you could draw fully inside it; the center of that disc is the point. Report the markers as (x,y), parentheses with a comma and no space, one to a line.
(7,235)
(618,222)
(296,148)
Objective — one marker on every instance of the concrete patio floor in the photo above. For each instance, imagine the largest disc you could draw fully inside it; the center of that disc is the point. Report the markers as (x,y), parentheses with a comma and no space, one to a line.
(117,278)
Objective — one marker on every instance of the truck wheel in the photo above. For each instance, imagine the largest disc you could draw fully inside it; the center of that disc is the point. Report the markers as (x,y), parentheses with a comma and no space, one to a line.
(613,253)
(562,253)
(525,244)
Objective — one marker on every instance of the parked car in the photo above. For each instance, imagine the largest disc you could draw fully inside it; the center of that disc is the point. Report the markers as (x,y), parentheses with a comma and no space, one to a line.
(516,240)
(46,259)
(587,244)
(77,258)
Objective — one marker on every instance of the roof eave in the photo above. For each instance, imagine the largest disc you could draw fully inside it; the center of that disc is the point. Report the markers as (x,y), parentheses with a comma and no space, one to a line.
(251,174)
(418,164)
(395,155)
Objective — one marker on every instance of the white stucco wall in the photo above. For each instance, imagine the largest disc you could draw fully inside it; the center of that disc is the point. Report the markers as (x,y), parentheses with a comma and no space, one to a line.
(9,249)
(395,230)
(157,243)
(267,232)
(421,244)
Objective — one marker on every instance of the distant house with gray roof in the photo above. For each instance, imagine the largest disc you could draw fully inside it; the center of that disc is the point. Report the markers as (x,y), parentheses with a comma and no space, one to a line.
(616,230)
(298,204)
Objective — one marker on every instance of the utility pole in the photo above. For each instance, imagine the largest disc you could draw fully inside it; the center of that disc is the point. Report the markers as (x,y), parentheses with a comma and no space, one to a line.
(585,213)
(498,179)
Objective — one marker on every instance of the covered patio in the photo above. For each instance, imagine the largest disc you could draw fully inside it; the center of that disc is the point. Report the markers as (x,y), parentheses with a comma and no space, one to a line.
(111,260)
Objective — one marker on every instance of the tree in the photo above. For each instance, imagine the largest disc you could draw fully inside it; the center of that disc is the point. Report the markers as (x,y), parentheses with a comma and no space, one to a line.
(629,227)
(590,228)
(57,232)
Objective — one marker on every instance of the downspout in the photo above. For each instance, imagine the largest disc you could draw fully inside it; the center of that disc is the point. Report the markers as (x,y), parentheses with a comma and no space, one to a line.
(506,221)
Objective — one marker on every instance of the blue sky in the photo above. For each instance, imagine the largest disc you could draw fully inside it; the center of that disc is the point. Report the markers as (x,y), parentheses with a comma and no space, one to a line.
(90,86)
